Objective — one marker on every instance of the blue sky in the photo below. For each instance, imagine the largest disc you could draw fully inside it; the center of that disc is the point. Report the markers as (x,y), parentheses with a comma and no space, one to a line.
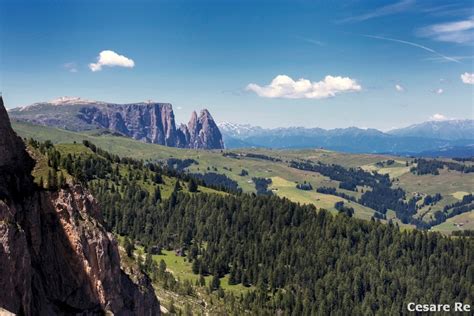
(380,64)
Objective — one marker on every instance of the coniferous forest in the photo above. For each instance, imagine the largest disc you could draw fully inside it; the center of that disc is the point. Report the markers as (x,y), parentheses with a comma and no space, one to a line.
(299,260)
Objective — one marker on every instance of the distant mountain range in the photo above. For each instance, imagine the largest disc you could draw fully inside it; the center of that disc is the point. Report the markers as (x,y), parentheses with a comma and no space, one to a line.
(145,121)
(449,129)
(447,138)
(155,123)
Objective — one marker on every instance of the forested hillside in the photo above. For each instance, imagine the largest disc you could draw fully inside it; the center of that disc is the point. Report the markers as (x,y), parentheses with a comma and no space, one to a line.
(294,259)
(404,185)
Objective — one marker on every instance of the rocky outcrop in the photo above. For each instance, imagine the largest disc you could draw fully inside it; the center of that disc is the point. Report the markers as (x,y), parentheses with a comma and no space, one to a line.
(155,123)
(148,122)
(56,258)
(201,132)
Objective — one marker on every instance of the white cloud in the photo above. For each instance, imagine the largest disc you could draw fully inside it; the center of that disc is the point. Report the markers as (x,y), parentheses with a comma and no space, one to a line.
(71,67)
(467,78)
(390,9)
(438,91)
(438,117)
(455,32)
(283,86)
(111,59)
(414,45)
(399,88)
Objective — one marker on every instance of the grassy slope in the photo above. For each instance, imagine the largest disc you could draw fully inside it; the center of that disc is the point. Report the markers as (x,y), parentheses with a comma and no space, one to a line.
(448,183)
(207,159)
(458,222)
(181,269)
(287,189)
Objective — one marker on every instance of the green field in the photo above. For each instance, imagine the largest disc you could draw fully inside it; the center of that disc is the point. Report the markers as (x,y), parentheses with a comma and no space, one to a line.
(181,269)
(459,222)
(395,170)
(287,189)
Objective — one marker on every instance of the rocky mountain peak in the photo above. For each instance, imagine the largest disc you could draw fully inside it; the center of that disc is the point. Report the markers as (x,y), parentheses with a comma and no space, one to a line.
(193,124)
(205,113)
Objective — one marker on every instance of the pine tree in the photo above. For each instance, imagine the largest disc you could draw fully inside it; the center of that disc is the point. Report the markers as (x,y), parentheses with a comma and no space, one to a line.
(215,283)
(177,186)
(61,181)
(192,186)
(148,262)
(202,280)
(158,179)
(196,266)
(156,195)
(129,247)
(51,184)
(162,267)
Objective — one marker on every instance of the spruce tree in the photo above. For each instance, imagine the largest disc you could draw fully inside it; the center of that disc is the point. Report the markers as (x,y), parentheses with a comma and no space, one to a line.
(215,283)
(192,186)
(156,195)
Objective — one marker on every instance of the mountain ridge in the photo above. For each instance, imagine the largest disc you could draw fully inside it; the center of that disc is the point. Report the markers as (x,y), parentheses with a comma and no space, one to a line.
(446,129)
(148,121)
(351,139)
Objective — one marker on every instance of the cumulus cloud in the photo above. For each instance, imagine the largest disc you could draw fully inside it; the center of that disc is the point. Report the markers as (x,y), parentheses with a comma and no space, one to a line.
(110,58)
(467,78)
(438,117)
(283,86)
(455,32)
(438,91)
(399,88)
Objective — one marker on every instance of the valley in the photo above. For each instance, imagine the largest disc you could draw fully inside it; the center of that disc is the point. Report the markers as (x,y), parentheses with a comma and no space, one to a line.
(274,165)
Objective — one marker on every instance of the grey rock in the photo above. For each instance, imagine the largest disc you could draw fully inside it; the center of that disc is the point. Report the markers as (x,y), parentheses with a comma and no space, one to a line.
(148,122)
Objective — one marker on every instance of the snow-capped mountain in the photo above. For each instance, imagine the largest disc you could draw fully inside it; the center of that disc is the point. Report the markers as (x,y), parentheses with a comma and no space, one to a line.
(448,129)
(235,129)
(353,139)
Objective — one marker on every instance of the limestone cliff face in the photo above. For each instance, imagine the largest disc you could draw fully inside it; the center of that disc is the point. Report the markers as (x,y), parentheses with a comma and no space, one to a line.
(155,123)
(148,122)
(56,258)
